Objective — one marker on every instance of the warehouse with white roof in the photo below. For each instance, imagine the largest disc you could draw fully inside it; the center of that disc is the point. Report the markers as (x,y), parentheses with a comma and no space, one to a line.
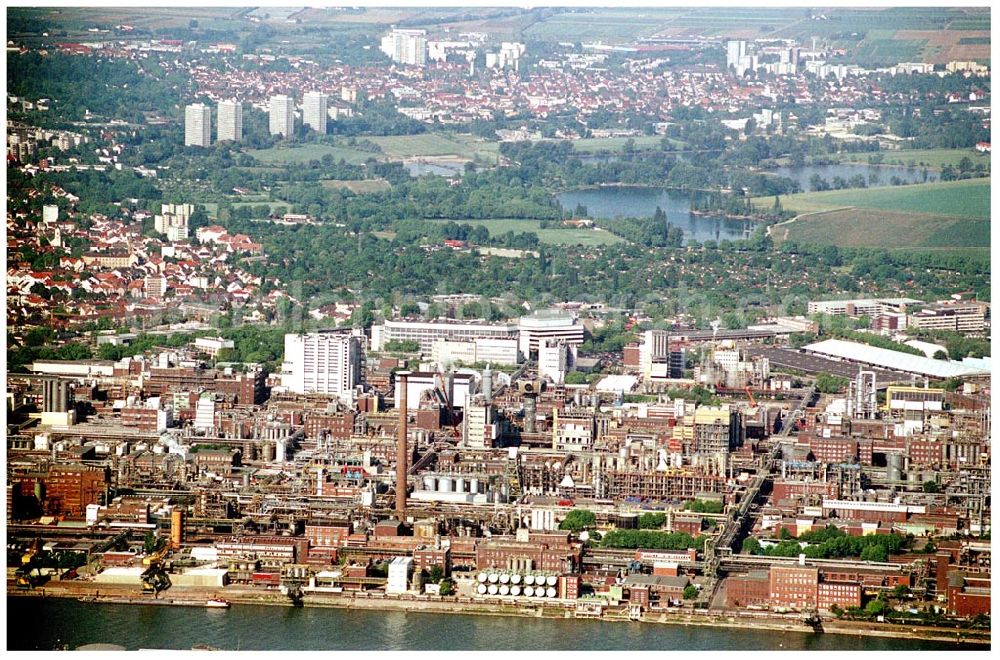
(894,360)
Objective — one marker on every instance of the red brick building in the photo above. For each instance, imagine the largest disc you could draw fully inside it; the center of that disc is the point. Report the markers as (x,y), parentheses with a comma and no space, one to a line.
(70,488)
(752,589)
(793,586)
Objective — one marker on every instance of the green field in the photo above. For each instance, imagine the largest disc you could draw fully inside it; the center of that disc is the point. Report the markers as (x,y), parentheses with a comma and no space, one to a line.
(932,158)
(303,153)
(858,227)
(395,147)
(358,187)
(964,199)
(586,237)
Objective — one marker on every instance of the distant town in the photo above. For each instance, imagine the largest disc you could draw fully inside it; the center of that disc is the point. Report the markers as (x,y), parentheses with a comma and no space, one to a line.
(407,309)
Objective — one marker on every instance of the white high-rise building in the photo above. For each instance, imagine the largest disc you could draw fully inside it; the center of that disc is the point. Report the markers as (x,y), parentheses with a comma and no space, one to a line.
(322,362)
(548,324)
(197,125)
(281,113)
(314,111)
(735,50)
(230,120)
(406,46)
(555,359)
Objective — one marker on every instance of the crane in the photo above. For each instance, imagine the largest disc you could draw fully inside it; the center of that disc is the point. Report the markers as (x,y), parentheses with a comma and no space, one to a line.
(28,573)
(154,578)
(753,401)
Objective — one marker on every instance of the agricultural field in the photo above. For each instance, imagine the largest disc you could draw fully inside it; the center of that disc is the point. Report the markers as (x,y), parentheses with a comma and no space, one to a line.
(358,187)
(303,153)
(608,25)
(859,227)
(397,147)
(931,158)
(568,236)
(969,198)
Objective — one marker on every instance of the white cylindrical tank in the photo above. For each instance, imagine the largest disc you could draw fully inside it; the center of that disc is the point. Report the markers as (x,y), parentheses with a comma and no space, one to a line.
(430,483)
(474,486)
(515,578)
(529,579)
(552,580)
(482,576)
(550,592)
(459,485)
(494,578)
(481,589)
(515,590)
(504,590)
(529,591)
(493,589)
(504,578)
(444,485)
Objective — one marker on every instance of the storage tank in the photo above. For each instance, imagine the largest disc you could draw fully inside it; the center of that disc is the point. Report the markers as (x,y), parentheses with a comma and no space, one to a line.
(550,592)
(494,578)
(444,485)
(474,485)
(529,591)
(481,589)
(552,580)
(493,589)
(504,578)
(895,469)
(515,590)
(504,590)
(430,483)
(459,485)
(515,578)
(487,383)
(482,577)
(529,579)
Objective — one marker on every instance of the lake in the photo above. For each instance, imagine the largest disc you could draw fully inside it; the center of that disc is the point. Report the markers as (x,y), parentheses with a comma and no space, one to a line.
(632,201)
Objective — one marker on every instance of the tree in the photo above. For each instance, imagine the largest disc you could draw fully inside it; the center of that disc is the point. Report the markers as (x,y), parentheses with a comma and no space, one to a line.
(447,588)
(751,546)
(690,592)
(940,355)
(435,573)
(877,607)
(931,487)
(577,520)
(876,553)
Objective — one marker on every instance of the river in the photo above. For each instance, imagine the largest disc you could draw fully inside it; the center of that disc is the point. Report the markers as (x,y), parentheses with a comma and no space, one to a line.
(50,623)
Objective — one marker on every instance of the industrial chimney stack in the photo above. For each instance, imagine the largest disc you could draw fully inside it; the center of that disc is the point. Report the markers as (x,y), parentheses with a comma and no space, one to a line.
(401,452)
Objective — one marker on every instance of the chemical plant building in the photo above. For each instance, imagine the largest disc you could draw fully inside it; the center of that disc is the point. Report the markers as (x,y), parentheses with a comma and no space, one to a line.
(281,115)
(230,120)
(322,363)
(197,125)
(894,360)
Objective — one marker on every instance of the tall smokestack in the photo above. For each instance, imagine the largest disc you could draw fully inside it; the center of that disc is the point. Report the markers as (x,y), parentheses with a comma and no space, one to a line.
(401,453)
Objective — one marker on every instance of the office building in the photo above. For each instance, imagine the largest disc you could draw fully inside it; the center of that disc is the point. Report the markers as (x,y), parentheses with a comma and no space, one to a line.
(230,120)
(548,324)
(425,332)
(964,317)
(555,360)
(197,125)
(281,113)
(314,111)
(322,363)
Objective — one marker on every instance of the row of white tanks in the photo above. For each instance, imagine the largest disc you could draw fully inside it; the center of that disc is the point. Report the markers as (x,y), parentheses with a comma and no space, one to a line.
(452,484)
(514,584)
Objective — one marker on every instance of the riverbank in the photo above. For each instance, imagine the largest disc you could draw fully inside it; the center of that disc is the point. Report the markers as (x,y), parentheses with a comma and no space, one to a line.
(409,603)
